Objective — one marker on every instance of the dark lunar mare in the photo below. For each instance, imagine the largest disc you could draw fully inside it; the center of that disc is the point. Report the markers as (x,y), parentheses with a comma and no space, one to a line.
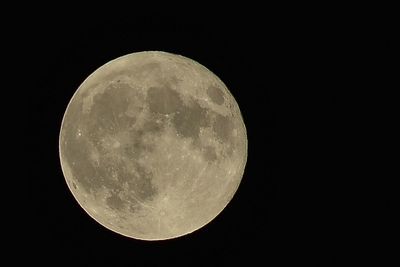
(105,120)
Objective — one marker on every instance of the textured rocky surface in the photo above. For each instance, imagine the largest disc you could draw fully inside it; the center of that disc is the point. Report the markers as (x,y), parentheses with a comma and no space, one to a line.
(153,145)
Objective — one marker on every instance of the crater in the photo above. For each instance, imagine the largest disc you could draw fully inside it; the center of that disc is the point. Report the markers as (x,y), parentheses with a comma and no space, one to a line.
(223,127)
(115,202)
(110,172)
(163,100)
(141,184)
(85,173)
(150,67)
(134,207)
(153,125)
(216,95)
(132,151)
(189,119)
(209,154)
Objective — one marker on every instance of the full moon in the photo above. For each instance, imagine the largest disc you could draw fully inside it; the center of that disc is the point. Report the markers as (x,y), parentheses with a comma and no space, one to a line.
(153,145)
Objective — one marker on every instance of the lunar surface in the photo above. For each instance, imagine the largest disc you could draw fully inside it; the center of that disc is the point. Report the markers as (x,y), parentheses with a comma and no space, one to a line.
(153,145)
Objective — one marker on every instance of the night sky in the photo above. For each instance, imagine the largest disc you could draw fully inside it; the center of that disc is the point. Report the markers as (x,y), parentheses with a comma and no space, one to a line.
(284,72)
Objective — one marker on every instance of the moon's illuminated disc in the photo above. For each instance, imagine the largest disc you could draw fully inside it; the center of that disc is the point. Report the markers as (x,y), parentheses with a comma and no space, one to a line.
(153,145)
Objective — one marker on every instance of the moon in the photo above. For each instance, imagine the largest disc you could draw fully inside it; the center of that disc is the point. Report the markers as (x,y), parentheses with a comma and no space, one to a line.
(153,145)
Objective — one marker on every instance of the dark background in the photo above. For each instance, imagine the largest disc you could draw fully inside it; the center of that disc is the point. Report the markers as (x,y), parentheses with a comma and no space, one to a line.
(286,73)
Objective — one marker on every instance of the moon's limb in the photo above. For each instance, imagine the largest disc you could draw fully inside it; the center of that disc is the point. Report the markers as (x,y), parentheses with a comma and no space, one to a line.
(153,145)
